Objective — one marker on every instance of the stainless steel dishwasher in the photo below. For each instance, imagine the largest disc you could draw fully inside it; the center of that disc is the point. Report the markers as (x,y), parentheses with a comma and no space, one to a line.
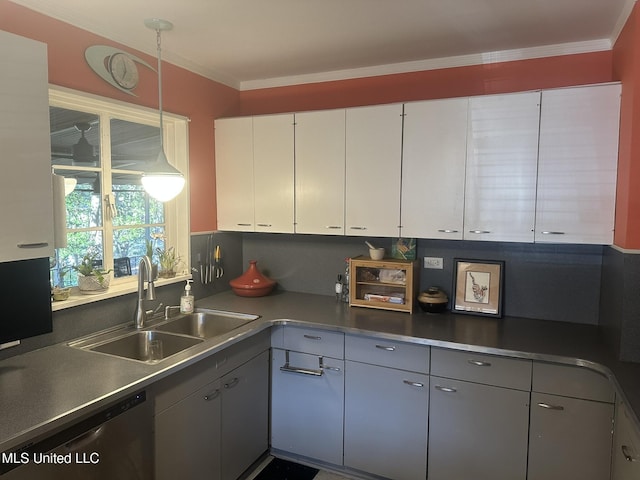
(116,443)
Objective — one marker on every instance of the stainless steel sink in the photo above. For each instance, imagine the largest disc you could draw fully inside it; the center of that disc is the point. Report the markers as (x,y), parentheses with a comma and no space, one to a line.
(146,346)
(206,323)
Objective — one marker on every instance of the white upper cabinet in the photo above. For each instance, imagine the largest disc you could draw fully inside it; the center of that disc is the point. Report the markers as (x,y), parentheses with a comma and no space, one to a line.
(374,150)
(26,196)
(234,173)
(578,164)
(433,165)
(273,173)
(320,172)
(502,154)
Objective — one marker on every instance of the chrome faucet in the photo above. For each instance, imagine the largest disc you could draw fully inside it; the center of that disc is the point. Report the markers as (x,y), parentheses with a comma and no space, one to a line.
(144,270)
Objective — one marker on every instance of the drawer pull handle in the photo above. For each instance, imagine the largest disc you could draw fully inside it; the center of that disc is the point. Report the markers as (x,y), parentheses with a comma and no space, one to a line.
(628,455)
(303,371)
(479,232)
(243,224)
(552,233)
(232,383)
(413,384)
(333,227)
(358,228)
(479,363)
(33,245)
(388,349)
(313,337)
(264,225)
(212,395)
(446,389)
(446,230)
(550,406)
(333,369)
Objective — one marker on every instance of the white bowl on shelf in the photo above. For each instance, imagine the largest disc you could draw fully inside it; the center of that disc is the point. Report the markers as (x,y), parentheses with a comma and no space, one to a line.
(376,253)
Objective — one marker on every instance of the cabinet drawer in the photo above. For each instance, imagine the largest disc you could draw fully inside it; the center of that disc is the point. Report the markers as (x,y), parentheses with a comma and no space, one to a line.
(481,368)
(387,353)
(314,341)
(568,381)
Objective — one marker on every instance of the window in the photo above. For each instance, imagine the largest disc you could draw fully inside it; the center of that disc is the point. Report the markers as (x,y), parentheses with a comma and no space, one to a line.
(101,147)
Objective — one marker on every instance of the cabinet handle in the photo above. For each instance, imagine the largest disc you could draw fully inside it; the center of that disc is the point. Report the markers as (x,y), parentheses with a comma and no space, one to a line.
(358,228)
(550,406)
(413,384)
(388,349)
(263,225)
(628,455)
(243,224)
(212,395)
(552,233)
(479,231)
(333,227)
(446,230)
(446,389)
(232,383)
(33,245)
(312,337)
(333,369)
(479,363)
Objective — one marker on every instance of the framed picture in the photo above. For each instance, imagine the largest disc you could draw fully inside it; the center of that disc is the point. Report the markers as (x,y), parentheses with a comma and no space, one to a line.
(478,286)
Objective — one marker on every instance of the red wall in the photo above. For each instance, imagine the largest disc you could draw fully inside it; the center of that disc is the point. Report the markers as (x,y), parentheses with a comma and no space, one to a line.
(450,82)
(184,93)
(626,66)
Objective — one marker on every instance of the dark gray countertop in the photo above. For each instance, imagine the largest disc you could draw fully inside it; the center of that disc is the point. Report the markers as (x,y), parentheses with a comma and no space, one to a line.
(47,388)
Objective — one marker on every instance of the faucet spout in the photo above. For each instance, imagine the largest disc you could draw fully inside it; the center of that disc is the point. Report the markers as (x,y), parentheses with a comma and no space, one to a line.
(145,270)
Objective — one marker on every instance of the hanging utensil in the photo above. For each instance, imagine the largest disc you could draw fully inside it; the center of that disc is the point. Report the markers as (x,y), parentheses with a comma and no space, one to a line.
(201,268)
(217,262)
(210,259)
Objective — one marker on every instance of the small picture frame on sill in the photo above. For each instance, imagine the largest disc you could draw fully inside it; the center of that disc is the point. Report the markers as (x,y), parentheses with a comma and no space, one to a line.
(478,287)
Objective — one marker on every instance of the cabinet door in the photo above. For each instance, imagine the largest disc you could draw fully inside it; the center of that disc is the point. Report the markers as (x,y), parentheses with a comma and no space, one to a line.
(320,160)
(188,437)
(374,149)
(626,447)
(385,419)
(273,168)
(477,431)
(245,416)
(578,164)
(434,151)
(234,173)
(502,154)
(569,438)
(307,410)
(26,211)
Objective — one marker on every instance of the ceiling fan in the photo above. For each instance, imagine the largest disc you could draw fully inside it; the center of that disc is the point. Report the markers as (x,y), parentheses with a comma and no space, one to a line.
(83,151)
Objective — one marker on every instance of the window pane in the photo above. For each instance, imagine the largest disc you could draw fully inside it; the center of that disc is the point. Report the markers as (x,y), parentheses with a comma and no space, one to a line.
(133,145)
(132,243)
(84,208)
(79,244)
(75,137)
(134,205)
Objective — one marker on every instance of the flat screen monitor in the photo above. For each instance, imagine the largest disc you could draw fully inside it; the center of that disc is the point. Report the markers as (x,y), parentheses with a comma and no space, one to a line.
(25,299)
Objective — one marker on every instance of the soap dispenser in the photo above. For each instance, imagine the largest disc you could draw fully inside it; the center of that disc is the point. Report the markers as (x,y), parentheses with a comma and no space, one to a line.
(186,301)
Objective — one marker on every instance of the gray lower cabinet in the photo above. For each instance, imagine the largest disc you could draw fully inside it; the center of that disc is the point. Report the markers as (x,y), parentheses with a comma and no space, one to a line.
(477,431)
(244,420)
(385,427)
(188,436)
(307,405)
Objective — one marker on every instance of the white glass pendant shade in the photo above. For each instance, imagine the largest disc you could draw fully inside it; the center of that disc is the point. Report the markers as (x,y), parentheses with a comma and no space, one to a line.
(162,181)
(69,185)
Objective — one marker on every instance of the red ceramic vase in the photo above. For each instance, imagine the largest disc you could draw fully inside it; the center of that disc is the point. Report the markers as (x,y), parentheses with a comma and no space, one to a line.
(252,283)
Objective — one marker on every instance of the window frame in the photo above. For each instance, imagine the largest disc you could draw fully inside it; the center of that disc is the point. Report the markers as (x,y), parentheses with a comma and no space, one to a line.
(176,145)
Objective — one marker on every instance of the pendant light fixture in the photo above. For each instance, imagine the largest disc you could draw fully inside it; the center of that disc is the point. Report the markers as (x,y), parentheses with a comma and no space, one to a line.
(161,180)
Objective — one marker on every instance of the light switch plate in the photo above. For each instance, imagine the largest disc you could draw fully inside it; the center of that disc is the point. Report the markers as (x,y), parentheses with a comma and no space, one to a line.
(433,262)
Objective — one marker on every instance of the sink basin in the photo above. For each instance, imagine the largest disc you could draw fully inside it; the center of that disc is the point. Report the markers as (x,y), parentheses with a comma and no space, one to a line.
(206,324)
(146,346)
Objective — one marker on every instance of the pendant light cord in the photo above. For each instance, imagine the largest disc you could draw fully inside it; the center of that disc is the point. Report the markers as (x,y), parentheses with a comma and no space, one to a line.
(158,39)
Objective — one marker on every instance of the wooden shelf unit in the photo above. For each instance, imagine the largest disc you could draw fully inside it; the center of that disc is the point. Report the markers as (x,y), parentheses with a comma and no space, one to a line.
(377,283)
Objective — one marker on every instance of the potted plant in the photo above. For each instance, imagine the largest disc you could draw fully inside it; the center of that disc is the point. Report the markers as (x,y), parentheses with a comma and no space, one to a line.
(169,260)
(60,292)
(92,279)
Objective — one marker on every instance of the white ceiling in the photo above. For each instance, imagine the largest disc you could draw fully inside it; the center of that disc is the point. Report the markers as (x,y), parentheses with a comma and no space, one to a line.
(255,43)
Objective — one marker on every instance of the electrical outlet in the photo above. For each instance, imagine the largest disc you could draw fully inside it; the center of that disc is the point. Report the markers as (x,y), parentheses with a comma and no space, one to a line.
(433,262)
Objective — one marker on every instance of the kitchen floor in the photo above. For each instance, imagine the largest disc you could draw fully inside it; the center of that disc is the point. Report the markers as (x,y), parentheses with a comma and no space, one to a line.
(322,475)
